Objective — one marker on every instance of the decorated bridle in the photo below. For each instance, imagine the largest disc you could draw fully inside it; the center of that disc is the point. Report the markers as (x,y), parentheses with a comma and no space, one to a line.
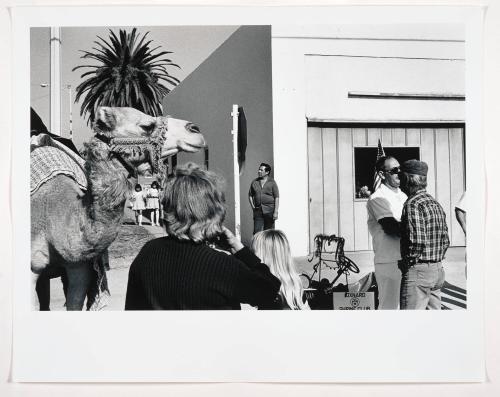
(153,145)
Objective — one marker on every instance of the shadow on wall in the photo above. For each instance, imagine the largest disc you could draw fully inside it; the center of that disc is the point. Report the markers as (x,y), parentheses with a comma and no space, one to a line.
(238,72)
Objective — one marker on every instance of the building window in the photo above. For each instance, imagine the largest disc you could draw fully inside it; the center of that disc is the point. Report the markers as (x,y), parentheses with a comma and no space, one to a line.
(364,165)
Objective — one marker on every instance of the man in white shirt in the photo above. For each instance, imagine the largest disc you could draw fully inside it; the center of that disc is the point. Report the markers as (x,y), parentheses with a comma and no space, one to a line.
(384,207)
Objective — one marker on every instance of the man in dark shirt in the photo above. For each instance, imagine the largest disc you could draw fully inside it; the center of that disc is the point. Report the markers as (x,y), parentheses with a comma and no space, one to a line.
(264,199)
(424,241)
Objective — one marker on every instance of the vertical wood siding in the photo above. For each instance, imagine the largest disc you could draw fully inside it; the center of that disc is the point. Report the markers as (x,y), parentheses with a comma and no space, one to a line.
(457,182)
(330,182)
(443,185)
(427,154)
(316,182)
(332,207)
(346,188)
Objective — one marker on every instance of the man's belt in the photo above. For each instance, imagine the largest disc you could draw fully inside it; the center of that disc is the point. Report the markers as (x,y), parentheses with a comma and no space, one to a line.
(426,261)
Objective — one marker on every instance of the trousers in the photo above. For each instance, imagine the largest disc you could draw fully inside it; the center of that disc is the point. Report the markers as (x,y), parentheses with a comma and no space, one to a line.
(421,287)
(388,278)
(262,221)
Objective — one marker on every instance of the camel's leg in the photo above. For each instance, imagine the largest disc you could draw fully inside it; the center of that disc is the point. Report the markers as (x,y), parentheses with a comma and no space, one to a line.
(93,290)
(39,262)
(43,285)
(34,296)
(43,291)
(79,277)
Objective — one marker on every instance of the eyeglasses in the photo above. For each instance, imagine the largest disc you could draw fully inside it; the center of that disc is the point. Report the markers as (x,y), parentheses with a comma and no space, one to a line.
(393,171)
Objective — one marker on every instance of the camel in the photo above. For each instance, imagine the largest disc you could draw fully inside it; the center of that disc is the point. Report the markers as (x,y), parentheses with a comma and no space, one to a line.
(71,227)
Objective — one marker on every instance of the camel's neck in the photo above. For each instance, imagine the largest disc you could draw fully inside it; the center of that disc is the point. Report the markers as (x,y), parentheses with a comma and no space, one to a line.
(107,190)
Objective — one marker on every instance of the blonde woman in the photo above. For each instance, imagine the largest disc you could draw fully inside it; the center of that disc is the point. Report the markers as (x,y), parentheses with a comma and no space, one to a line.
(273,249)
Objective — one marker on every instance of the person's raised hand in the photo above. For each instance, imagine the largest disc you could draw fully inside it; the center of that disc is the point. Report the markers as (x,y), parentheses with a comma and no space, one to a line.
(232,240)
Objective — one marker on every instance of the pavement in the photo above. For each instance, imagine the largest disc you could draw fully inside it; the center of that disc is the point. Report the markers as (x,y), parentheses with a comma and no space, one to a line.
(132,237)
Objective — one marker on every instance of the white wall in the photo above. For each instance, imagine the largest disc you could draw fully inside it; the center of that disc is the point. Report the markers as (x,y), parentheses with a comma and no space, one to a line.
(314,66)
(330,79)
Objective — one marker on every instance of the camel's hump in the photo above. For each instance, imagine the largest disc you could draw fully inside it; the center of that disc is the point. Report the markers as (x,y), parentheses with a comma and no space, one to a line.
(48,161)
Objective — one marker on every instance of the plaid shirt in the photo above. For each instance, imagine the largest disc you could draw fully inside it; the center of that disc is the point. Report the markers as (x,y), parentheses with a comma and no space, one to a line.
(424,234)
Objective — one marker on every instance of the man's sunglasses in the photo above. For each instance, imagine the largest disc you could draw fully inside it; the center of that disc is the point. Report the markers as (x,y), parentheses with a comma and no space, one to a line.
(394,171)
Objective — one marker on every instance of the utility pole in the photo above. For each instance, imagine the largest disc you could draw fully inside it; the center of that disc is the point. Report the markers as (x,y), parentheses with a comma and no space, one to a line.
(55,80)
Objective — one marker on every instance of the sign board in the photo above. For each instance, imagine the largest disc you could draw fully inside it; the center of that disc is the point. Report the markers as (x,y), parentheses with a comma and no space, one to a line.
(354,301)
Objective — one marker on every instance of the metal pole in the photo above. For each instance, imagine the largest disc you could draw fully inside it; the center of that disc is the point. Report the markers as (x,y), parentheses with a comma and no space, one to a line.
(234,132)
(55,80)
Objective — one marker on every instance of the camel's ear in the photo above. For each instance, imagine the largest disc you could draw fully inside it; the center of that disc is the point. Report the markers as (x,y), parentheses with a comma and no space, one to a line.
(105,119)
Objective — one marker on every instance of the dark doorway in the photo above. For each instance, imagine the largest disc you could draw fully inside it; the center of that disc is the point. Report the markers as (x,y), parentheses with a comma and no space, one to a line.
(364,165)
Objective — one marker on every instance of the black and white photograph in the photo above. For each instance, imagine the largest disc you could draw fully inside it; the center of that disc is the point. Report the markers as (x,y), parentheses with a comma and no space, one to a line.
(226,189)
(152,168)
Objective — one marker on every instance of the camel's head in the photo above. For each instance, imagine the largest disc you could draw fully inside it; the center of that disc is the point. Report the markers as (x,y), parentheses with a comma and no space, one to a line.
(123,124)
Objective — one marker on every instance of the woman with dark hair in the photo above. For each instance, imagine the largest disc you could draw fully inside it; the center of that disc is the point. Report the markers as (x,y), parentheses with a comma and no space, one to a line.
(181,271)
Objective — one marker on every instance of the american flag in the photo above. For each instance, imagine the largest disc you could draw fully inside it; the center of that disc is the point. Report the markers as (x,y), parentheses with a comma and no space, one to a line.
(376,178)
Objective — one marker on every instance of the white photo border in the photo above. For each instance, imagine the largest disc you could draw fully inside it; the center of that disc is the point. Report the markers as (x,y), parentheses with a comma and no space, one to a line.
(247,346)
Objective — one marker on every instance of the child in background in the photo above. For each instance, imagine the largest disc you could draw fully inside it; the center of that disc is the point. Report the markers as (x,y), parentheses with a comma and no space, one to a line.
(273,249)
(153,203)
(138,206)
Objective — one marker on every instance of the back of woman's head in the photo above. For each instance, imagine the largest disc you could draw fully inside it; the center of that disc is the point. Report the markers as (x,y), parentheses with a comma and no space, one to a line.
(194,204)
(272,247)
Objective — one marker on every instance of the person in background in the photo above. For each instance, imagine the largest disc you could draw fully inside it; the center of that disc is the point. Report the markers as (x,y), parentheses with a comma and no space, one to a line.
(181,271)
(264,199)
(138,203)
(424,241)
(384,208)
(153,203)
(461,212)
(273,249)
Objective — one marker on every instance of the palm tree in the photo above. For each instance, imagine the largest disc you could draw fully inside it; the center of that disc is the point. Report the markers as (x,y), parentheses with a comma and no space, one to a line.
(129,73)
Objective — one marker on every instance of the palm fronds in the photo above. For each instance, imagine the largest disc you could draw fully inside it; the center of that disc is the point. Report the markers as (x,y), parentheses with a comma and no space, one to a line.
(126,72)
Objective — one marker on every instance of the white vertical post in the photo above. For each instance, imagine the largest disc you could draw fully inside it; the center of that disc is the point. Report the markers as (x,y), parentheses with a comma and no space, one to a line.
(234,132)
(55,80)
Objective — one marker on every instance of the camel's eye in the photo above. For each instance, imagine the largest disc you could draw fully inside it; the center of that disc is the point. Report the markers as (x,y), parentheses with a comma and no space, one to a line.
(101,125)
(149,128)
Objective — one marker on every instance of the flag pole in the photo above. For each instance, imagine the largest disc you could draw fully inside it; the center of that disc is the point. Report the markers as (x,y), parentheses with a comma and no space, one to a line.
(234,132)
(376,178)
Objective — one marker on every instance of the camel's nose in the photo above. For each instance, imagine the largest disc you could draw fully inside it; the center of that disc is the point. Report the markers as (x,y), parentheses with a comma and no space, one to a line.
(191,127)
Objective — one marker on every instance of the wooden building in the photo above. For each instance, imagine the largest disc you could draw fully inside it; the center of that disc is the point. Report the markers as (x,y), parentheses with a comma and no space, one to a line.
(337,90)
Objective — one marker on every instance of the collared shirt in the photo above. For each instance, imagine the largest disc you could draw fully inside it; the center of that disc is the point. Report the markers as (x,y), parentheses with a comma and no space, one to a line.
(424,234)
(385,203)
(264,196)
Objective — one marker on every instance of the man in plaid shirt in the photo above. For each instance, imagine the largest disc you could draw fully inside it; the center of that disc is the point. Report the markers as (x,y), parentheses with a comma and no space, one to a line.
(424,241)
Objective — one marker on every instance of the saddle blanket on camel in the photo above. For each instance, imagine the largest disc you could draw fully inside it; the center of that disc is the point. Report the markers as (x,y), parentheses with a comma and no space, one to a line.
(49,158)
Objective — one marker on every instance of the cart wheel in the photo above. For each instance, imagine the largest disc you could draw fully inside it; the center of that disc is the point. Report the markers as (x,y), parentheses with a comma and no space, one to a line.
(306,284)
(350,265)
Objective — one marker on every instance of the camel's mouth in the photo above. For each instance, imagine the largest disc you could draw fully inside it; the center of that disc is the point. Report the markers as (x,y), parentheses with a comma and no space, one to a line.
(184,146)
(189,147)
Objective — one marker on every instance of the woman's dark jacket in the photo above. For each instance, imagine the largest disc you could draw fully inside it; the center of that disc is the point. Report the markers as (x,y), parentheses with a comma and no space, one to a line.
(172,274)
